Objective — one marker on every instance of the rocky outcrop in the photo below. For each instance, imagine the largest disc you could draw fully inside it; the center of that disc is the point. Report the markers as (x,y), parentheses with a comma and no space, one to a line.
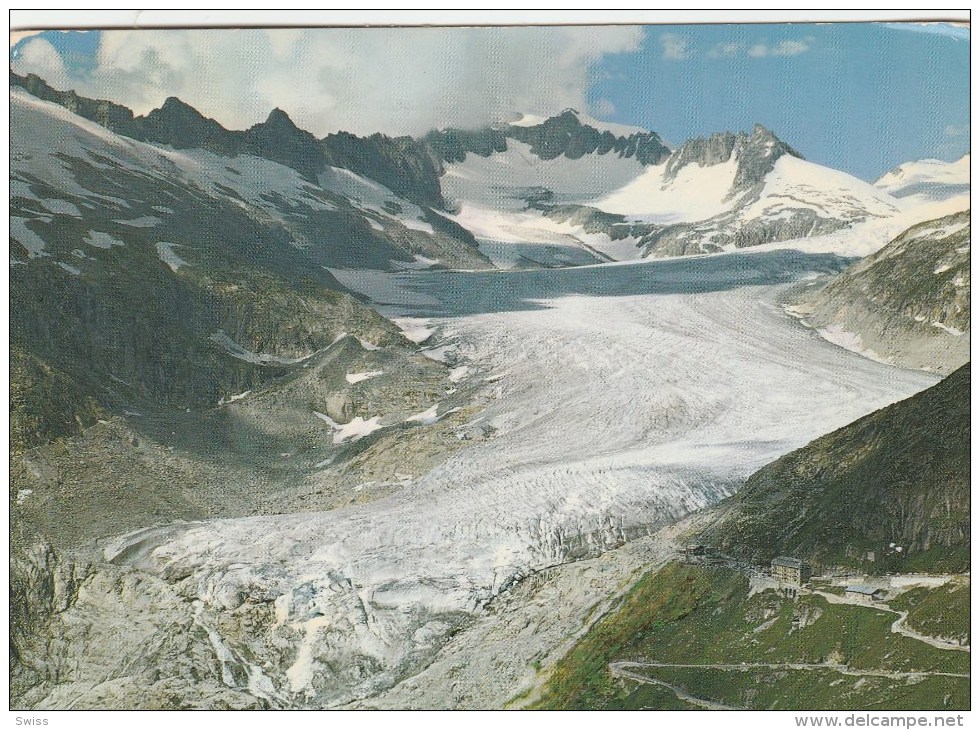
(114,117)
(756,155)
(158,287)
(908,304)
(404,165)
(46,403)
(726,231)
(928,180)
(563,135)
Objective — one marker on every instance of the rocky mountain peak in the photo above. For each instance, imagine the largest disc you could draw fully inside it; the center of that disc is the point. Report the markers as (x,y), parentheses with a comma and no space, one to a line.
(173,109)
(705,151)
(278,118)
(278,139)
(182,126)
(756,154)
(573,134)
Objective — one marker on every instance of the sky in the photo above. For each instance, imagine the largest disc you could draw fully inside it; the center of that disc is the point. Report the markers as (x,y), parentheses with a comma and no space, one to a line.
(860,97)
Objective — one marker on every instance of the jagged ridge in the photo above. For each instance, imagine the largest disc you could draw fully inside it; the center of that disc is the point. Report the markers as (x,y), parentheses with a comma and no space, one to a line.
(560,135)
(400,164)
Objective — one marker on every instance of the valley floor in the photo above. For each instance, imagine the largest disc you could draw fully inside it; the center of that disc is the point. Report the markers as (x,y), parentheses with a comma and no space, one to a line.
(622,398)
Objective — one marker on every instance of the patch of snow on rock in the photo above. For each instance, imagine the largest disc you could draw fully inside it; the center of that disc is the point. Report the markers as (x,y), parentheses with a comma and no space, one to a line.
(27,238)
(101,239)
(354,430)
(359,377)
(168,256)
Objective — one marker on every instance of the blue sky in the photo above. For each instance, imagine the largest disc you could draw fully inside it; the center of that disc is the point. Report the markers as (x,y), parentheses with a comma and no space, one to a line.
(859,97)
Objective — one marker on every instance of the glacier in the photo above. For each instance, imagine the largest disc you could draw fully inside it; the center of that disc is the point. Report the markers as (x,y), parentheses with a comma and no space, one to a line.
(618,398)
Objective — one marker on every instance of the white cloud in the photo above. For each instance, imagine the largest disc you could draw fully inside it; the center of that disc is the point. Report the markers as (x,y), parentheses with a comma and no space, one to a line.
(605,108)
(674,47)
(957,131)
(783,48)
(726,50)
(395,80)
(791,48)
(40,56)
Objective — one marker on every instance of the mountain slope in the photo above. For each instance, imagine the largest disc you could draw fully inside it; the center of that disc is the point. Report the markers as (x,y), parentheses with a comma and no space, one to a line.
(149,278)
(907,304)
(717,193)
(400,163)
(896,482)
(927,180)
(563,190)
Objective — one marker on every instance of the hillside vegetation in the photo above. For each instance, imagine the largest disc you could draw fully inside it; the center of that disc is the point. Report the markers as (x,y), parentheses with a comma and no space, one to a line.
(689,616)
(897,478)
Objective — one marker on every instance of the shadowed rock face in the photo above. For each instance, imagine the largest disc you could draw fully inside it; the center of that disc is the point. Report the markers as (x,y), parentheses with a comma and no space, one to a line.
(114,117)
(238,485)
(182,126)
(179,352)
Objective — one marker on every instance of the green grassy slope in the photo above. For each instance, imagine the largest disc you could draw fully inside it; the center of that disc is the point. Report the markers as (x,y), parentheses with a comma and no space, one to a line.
(942,612)
(693,615)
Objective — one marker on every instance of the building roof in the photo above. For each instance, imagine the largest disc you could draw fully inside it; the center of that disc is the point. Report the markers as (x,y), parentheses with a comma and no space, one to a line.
(863,589)
(786,562)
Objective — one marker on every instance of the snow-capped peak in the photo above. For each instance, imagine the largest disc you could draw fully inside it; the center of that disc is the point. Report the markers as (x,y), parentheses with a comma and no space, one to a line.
(930,182)
(930,167)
